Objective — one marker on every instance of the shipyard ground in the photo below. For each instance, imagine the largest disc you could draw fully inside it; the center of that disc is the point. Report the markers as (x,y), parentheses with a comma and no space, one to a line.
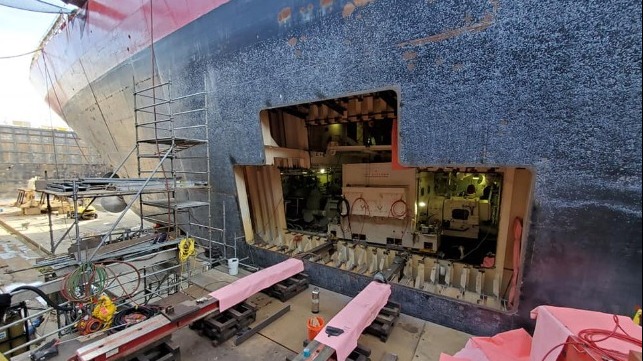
(411,339)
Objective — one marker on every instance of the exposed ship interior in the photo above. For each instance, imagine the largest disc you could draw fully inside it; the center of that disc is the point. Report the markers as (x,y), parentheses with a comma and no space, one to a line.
(331,192)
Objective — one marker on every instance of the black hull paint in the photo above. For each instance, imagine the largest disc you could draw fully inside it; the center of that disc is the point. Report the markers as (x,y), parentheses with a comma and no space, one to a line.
(555,86)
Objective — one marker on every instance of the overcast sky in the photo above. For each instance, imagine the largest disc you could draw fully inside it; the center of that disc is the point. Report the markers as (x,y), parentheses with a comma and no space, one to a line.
(20,32)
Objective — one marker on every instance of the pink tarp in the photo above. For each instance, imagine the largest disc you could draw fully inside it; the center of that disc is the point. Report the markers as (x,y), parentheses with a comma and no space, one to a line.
(445,357)
(247,286)
(354,318)
(555,325)
(513,290)
(513,345)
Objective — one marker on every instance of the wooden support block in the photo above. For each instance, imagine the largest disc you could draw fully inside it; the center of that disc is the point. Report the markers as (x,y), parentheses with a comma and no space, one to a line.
(385,318)
(223,326)
(160,351)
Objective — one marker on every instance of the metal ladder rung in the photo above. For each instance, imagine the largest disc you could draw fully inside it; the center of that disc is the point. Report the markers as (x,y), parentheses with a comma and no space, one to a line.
(153,112)
(188,96)
(189,172)
(158,172)
(152,156)
(150,97)
(152,87)
(155,122)
(189,111)
(153,105)
(156,128)
(167,109)
(190,127)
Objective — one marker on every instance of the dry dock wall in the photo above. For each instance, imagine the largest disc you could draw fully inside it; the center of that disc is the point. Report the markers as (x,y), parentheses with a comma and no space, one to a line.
(29,152)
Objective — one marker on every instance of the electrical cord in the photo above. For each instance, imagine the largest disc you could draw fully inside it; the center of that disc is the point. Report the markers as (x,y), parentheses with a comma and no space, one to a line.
(587,338)
(19,55)
(186,249)
(125,295)
(473,250)
(133,315)
(343,202)
(365,207)
(89,325)
(396,212)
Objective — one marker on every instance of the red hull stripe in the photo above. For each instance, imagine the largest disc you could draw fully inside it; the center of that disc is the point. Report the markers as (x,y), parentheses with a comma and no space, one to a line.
(107,34)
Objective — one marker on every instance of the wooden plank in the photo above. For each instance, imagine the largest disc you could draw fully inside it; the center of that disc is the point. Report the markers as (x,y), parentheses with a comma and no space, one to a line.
(256,200)
(279,211)
(244,205)
(504,230)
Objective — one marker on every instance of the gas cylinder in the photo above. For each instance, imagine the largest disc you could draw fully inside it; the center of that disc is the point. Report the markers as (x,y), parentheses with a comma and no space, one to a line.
(315,300)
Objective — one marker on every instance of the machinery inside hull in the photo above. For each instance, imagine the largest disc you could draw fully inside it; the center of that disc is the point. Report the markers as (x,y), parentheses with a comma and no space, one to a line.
(332,194)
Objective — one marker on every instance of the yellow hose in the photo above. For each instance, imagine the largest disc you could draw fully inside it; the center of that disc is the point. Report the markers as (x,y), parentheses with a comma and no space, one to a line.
(186,249)
(104,310)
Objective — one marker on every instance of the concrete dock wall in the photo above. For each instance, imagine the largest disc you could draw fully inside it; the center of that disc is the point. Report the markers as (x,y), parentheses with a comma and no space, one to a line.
(29,152)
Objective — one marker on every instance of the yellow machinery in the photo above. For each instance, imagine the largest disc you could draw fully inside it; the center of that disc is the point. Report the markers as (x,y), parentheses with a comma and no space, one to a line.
(84,213)
(32,202)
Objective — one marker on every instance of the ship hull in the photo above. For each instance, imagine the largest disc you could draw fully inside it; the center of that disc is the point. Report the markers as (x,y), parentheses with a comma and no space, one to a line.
(479,82)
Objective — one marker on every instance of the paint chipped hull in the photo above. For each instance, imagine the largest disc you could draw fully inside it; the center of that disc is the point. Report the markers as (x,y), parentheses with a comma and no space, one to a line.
(551,86)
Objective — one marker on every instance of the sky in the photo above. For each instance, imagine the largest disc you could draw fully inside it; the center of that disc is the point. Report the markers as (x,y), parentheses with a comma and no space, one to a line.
(21,32)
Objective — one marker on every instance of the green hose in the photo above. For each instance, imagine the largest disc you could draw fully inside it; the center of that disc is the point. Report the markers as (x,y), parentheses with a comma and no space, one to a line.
(84,283)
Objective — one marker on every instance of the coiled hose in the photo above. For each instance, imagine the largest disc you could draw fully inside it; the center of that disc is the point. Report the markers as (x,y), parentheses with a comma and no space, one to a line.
(343,204)
(186,249)
(44,297)
(85,283)
(132,315)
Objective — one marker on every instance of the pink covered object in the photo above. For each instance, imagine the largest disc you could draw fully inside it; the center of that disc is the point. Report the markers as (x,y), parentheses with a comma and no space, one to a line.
(354,318)
(555,325)
(247,286)
(513,345)
(445,357)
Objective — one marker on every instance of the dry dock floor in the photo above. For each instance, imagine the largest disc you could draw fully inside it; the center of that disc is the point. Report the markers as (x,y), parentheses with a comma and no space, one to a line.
(411,339)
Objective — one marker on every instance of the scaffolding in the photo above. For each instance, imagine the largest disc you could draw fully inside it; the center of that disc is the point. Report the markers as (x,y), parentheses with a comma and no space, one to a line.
(173,182)
(172,189)
(160,141)
(164,138)
(162,190)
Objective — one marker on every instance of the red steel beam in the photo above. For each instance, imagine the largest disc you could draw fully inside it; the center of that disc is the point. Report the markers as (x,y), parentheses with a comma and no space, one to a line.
(139,336)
